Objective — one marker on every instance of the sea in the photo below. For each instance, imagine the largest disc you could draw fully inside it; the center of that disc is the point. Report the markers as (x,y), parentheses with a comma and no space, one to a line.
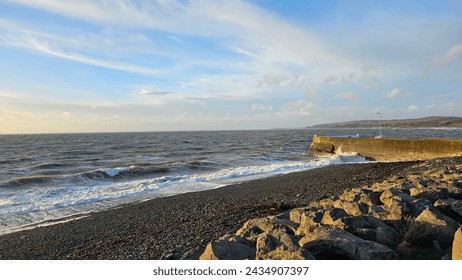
(51,178)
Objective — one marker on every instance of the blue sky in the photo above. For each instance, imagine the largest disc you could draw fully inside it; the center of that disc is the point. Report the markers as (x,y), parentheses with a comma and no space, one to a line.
(119,65)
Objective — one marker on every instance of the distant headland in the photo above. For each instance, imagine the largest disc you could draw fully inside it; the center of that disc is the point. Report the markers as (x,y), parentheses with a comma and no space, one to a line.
(433,121)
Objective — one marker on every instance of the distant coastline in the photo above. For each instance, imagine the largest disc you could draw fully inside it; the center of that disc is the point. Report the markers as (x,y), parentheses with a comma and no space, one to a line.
(426,122)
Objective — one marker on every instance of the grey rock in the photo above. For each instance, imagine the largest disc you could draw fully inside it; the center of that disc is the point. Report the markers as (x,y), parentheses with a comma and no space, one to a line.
(328,242)
(445,226)
(370,228)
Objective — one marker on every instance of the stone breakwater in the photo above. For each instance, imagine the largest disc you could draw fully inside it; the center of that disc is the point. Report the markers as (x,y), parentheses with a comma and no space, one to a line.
(414,215)
(387,148)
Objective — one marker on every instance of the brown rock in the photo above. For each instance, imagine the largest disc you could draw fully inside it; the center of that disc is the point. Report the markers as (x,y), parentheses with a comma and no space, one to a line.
(392,195)
(309,221)
(234,248)
(351,208)
(457,245)
(296,214)
(372,198)
(253,227)
(279,245)
(331,216)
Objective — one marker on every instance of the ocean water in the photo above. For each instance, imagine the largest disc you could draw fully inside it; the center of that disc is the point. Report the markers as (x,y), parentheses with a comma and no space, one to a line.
(54,176)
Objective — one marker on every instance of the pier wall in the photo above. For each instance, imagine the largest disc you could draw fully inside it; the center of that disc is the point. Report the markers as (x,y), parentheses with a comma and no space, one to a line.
(387,148)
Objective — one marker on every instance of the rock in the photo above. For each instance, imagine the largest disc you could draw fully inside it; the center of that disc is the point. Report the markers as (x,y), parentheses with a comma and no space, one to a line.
(392,195)
(372,198)
(444,225)
(253,227)
(234,248)
(444,204)
(328,242)
(370,228)
(279,245)
(309,221)
(193,254)
(352,195)
(432,193)
(351,208)
(457,207)
(455,192)
(331,216)
(326,203)
(391,214)
(457,245)
(296,214)
(418,206)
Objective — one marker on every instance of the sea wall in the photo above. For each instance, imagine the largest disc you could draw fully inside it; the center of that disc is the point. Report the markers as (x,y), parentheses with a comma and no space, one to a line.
(386,148)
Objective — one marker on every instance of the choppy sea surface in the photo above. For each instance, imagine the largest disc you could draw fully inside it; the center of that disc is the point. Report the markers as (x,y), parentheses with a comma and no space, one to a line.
(53,176)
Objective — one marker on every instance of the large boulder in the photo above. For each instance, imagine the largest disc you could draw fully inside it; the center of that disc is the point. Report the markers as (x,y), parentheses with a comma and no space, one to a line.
(445,226)
(329,242)
(393,195)
(370,228)
(330,216)
(254,227)
(233,248)
(351,207)
(433,193)
(309,220)
(391,214)
(457,245)
(444,204)
(279,245)
(456,207)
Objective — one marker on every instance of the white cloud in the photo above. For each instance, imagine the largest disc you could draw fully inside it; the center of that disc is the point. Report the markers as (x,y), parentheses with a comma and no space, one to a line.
(413,108)
(351,96)
(452,54)
(399,93)
(396,92)
(20,38)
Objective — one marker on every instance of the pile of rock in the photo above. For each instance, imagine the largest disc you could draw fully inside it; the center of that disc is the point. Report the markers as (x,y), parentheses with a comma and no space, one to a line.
(414,215)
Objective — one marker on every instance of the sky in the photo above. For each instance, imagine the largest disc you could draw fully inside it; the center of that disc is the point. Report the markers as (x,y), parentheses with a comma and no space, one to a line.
(147,65)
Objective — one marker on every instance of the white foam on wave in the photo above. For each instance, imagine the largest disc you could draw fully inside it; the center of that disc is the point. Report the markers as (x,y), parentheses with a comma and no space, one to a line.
(40,204)
(116,170)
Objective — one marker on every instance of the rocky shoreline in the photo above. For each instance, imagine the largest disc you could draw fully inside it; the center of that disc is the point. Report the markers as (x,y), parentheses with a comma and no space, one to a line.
(415,214)
(183,225)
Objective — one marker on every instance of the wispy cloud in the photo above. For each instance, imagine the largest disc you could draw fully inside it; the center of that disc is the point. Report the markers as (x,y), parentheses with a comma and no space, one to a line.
(278,51)
(394,93)
(452,54)
(398,93)
(47,44)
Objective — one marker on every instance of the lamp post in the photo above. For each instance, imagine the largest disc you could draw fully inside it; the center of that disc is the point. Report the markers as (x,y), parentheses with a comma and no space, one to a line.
(380,124)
